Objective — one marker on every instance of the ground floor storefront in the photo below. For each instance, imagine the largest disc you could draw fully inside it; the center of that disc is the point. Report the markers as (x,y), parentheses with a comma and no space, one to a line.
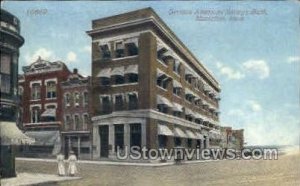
(118,132)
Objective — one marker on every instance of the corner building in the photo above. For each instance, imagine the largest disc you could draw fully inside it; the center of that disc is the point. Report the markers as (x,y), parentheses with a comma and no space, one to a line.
(148,89)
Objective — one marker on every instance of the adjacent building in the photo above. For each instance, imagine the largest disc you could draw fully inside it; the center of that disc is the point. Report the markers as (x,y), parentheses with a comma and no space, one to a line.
(148,89)
(10,135)
(42,110)
(76,132)
(232,138)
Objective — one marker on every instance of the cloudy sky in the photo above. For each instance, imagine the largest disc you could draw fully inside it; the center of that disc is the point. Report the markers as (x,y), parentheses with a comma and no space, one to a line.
(252,48)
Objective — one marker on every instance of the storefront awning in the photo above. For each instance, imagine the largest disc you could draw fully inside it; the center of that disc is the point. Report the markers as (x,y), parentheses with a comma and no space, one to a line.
(164,130)
(179,133)
(49,113)
(131,69)
(163,101)
(10,134)
(117,71)
(104,73)
(176,84)
(190,134)
(189,112)
(44,138)
(199,136)
(177,107)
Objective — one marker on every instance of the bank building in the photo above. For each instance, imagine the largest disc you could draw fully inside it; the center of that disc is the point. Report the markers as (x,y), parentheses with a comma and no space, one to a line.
(148,89)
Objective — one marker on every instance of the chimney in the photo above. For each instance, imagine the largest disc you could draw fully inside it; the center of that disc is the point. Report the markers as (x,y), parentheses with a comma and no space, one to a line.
(75,71)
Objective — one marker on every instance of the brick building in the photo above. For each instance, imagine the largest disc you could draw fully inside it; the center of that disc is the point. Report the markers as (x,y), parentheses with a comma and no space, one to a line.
(232,138)
(76,132)
(42,94)
(148,89)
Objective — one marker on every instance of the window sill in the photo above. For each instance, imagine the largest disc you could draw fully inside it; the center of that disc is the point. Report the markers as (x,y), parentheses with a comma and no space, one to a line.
(126,57)
(177,96)
(51,98)
(35,100)
(162,88)
(161,62)
(125,84)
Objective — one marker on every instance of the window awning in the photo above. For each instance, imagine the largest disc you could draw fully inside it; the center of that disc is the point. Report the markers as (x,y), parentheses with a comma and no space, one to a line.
(11,135)
(190,134)
(189,92)
(44,138)
(163,101)
(104,73)
(177,107)
(206,88)
(189,72)
(117,71)
(189,112)
(179,133)
(131,69)
(176,84)
(199,136)
(164,130)
(49,113)
(132,40)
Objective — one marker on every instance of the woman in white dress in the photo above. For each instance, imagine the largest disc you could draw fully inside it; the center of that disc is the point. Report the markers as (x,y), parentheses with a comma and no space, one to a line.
(72,169)
(61,165)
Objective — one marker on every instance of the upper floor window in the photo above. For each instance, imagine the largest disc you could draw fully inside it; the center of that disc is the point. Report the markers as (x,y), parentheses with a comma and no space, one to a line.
(85,121)
(106,104)
(105,51)
(119,102)
(51,89)
(76,122)
(5,71)
(132,101)
(132,49)
(176,91)
(119,49)
(85,98)
(68,122)
(104,81)
(176,67)
(36,91)
(76,99)
(67,99)
(119,80)
(35,114)
(133,78)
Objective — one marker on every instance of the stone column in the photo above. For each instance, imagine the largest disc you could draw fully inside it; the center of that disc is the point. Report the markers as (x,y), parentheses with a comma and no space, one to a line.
(96,142)
(127,136)
(111,141)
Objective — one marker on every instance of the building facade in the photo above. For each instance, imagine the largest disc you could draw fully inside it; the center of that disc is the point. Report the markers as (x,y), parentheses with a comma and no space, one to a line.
(10,135)
(76,132)
(41,92)
(148,89)
(232,138)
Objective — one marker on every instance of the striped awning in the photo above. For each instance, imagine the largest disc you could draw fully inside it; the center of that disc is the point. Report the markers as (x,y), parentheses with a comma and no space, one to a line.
(189,112)
(10,134)
(176,84)
(131,69)
(179,133)
(177,107)
(163,101)
(190,134)
(104,73)
(164,130)
(118,71)
(199,136)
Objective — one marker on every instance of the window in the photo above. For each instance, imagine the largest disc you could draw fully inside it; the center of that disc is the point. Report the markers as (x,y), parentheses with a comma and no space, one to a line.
(132,49)
(119,137)
(49,114)
(76,122)
(162,141)
(189,117)
(133,78)
(35,114)
(177,114)
(67,99)
(104,49)
(5,73)
(68,122)
(177,141)
(76,99)
(176,67)
(104,81)
(189,98)
(119,49)
(162,83)
(119,102)
(176,91)
(188,78)
(106,106)
(85,121)
(51,89)
(119,80)
(162,108)
(133,102)
(36,91)
(189,143)
(135,135)
(85,98)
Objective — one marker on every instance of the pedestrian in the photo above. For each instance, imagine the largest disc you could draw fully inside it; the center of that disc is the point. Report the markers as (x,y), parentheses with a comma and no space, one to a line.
(72,169)
(61,165)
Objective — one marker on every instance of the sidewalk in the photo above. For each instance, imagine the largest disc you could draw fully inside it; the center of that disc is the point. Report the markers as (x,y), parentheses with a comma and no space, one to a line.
(24,178)
(118,163)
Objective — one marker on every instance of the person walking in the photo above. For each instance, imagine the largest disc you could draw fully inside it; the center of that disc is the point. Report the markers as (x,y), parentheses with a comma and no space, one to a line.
(72,169)
(61,165)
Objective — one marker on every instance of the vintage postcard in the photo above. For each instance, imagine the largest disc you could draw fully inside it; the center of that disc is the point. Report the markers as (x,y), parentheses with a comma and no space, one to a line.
(150,93)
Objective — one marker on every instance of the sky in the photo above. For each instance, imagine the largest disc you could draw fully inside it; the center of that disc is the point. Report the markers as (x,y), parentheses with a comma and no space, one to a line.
(251,48)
